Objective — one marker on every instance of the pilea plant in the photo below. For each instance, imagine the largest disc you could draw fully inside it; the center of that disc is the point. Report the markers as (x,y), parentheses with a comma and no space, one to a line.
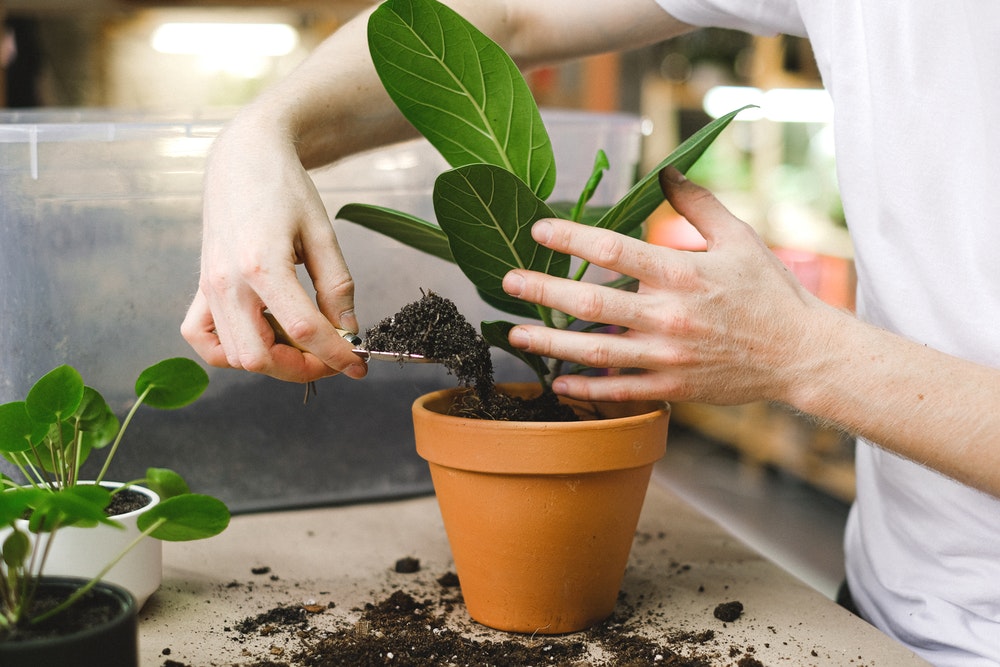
(465,95)
(49,436)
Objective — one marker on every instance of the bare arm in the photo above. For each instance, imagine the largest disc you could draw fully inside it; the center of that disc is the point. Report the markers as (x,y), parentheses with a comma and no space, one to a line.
(732,325)
(262,215)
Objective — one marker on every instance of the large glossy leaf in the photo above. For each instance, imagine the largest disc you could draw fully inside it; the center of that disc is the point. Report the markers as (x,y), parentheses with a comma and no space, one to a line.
(460,90)
(487,213)
(405,228)
(645,196)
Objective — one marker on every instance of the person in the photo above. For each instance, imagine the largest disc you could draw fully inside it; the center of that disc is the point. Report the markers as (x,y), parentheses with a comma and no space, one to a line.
(916,374)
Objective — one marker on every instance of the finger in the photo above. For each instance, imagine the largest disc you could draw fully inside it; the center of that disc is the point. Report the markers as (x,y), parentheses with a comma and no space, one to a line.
(198,329)
(325,263)
(698,205)
(608,249)
(590,302)
(627,387)
(598,350)
(317,346)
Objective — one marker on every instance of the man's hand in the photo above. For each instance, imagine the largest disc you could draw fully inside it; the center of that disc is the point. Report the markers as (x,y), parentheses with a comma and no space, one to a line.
(262,217)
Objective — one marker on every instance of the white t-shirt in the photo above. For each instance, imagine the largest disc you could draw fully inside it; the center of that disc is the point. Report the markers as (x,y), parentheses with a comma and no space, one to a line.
(916,91)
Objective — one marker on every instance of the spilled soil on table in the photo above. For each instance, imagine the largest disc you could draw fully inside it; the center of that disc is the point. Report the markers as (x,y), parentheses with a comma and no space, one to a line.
(424,625)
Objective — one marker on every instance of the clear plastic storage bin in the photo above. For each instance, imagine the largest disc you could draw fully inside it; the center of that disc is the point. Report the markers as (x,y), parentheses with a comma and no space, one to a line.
(100,231)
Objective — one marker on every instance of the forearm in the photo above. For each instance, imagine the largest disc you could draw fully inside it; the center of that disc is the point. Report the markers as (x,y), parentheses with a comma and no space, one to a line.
(922,404)
(333,104)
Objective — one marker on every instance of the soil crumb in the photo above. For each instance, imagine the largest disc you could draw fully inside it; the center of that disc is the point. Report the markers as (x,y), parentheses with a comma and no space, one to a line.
(728,611)
(433,327)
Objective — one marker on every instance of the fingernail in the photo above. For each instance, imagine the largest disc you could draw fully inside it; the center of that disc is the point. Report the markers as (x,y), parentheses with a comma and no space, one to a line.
(518,337)
(541,231)
(513,283)
(349,321)
(674,175)
(356,371)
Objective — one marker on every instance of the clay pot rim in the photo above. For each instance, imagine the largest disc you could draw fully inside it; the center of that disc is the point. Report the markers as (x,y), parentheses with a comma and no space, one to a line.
(554,448)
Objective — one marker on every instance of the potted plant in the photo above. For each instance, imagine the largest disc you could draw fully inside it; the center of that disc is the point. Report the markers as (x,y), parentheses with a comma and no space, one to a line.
(539,538)
(57,524)
(47,620)
(53,432)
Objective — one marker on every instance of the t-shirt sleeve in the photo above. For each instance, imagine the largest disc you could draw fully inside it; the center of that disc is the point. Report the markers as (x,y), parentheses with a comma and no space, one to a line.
(764,17)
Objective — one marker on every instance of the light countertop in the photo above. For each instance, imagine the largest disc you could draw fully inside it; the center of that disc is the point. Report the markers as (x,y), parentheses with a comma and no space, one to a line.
(682,566)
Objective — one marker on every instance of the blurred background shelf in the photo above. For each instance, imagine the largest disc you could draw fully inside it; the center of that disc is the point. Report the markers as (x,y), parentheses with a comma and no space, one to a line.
(765,434)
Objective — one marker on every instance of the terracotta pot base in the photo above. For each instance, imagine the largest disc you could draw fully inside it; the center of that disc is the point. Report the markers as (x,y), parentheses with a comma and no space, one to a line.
(540,516)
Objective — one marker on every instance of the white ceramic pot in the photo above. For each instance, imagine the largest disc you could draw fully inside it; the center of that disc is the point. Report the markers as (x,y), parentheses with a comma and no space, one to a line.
(84,552)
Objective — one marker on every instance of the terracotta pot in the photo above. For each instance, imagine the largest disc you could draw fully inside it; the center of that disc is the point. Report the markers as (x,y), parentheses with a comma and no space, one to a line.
(113,642)
(83,552)
(540,516)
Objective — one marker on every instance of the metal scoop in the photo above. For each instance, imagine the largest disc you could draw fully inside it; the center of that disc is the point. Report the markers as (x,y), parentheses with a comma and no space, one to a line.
(281,336)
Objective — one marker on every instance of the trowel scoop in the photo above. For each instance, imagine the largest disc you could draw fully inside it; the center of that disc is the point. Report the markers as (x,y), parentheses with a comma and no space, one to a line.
(281,336)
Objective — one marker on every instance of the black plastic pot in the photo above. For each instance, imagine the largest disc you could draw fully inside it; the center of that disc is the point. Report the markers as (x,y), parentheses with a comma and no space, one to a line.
(113,643)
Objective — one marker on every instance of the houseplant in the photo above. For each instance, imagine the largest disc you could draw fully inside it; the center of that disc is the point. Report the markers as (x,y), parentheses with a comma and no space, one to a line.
(46,619)
(466,96)
(53,432)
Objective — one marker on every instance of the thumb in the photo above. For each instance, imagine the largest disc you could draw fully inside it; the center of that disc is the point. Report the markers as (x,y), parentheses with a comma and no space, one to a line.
(697,204)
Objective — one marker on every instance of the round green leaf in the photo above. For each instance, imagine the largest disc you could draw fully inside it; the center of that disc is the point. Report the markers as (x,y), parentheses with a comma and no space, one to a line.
(55,396)
(188,517)
(17,430)
(15,501)
(166,483)
(16,549)
(172,383)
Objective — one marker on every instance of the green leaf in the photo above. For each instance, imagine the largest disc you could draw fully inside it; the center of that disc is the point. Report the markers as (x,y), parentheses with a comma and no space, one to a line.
(646,195)
(460,90)
(172,383)
(55,396)
(487,213)
(16,549)
(81,506)
(405,228)
(17,430)
(188,517)
(166,483)
(97,421)
(601,165)
(496,332)
(14,502)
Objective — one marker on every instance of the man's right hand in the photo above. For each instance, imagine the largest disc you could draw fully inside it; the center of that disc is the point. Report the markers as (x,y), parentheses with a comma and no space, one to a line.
(262,217)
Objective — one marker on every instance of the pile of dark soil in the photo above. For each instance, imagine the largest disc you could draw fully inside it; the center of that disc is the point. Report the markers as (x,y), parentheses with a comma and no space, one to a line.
(433,327)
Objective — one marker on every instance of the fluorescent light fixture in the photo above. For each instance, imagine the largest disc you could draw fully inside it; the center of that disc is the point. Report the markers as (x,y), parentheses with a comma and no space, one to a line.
(231,39)
(781,105)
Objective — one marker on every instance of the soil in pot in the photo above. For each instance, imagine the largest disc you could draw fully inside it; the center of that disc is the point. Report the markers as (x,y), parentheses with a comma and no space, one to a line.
(433,327)
(97,630)
(126,501)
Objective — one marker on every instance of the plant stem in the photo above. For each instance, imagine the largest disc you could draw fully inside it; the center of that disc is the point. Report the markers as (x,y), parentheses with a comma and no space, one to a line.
(121,432)
(582,270)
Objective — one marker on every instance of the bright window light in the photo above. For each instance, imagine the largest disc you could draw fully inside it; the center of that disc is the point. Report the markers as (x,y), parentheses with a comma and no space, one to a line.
(781,105)
(230,39)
